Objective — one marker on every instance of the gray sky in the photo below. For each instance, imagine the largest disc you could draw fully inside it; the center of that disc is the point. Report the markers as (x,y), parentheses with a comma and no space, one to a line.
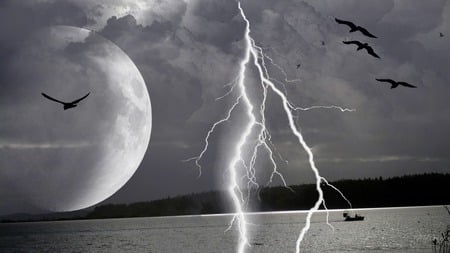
(187,51)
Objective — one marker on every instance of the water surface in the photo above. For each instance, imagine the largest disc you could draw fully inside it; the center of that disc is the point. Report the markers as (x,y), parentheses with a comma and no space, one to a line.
(383,230)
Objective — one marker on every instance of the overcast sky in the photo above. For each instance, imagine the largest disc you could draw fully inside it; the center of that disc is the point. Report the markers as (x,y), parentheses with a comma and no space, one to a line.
(187,51)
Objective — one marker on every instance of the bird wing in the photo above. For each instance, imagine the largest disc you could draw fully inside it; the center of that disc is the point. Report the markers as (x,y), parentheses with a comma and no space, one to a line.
(371,52)
(352,42)
(386,81)
(343,22)
(365,32)
(78,100)
(407,84)
(53,99)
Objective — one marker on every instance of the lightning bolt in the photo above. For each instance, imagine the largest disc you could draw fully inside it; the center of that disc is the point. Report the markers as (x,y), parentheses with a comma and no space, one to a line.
(255,125)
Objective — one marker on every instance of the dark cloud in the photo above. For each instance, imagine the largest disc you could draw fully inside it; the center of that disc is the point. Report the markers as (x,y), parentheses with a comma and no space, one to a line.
(20,18)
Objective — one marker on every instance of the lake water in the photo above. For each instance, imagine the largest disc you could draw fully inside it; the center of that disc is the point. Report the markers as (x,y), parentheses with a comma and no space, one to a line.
(383,230)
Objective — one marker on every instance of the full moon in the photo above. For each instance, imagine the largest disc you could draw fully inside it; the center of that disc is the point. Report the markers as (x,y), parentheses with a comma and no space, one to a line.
(64,160)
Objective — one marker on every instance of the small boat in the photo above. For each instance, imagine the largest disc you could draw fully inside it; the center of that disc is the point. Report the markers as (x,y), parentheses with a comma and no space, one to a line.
(348,217)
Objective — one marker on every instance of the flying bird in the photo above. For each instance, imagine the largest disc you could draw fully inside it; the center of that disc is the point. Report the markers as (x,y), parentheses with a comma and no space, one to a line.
(361,45)
(66,105)
(441,35)
(395,84)
(354,28)
(298,65)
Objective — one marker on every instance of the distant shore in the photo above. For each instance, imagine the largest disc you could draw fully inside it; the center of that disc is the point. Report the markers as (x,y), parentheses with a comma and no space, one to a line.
(415,190)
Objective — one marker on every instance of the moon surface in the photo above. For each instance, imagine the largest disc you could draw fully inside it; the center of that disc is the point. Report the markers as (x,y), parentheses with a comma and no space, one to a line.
(68,160)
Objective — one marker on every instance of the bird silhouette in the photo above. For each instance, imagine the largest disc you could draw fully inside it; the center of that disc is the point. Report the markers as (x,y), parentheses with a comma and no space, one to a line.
(441,35)
(66,105)
(395,84)
(299,65)
(361,45)
(354,28)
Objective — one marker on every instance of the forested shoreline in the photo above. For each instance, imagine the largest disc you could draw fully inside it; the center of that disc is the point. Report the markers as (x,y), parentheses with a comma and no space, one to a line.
(415,190)
(412,190)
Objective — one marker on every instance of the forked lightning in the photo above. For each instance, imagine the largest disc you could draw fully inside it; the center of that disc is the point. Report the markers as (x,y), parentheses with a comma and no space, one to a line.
(255,125)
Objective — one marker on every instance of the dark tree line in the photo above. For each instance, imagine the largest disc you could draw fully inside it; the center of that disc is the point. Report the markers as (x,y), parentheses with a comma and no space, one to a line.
(415,190)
